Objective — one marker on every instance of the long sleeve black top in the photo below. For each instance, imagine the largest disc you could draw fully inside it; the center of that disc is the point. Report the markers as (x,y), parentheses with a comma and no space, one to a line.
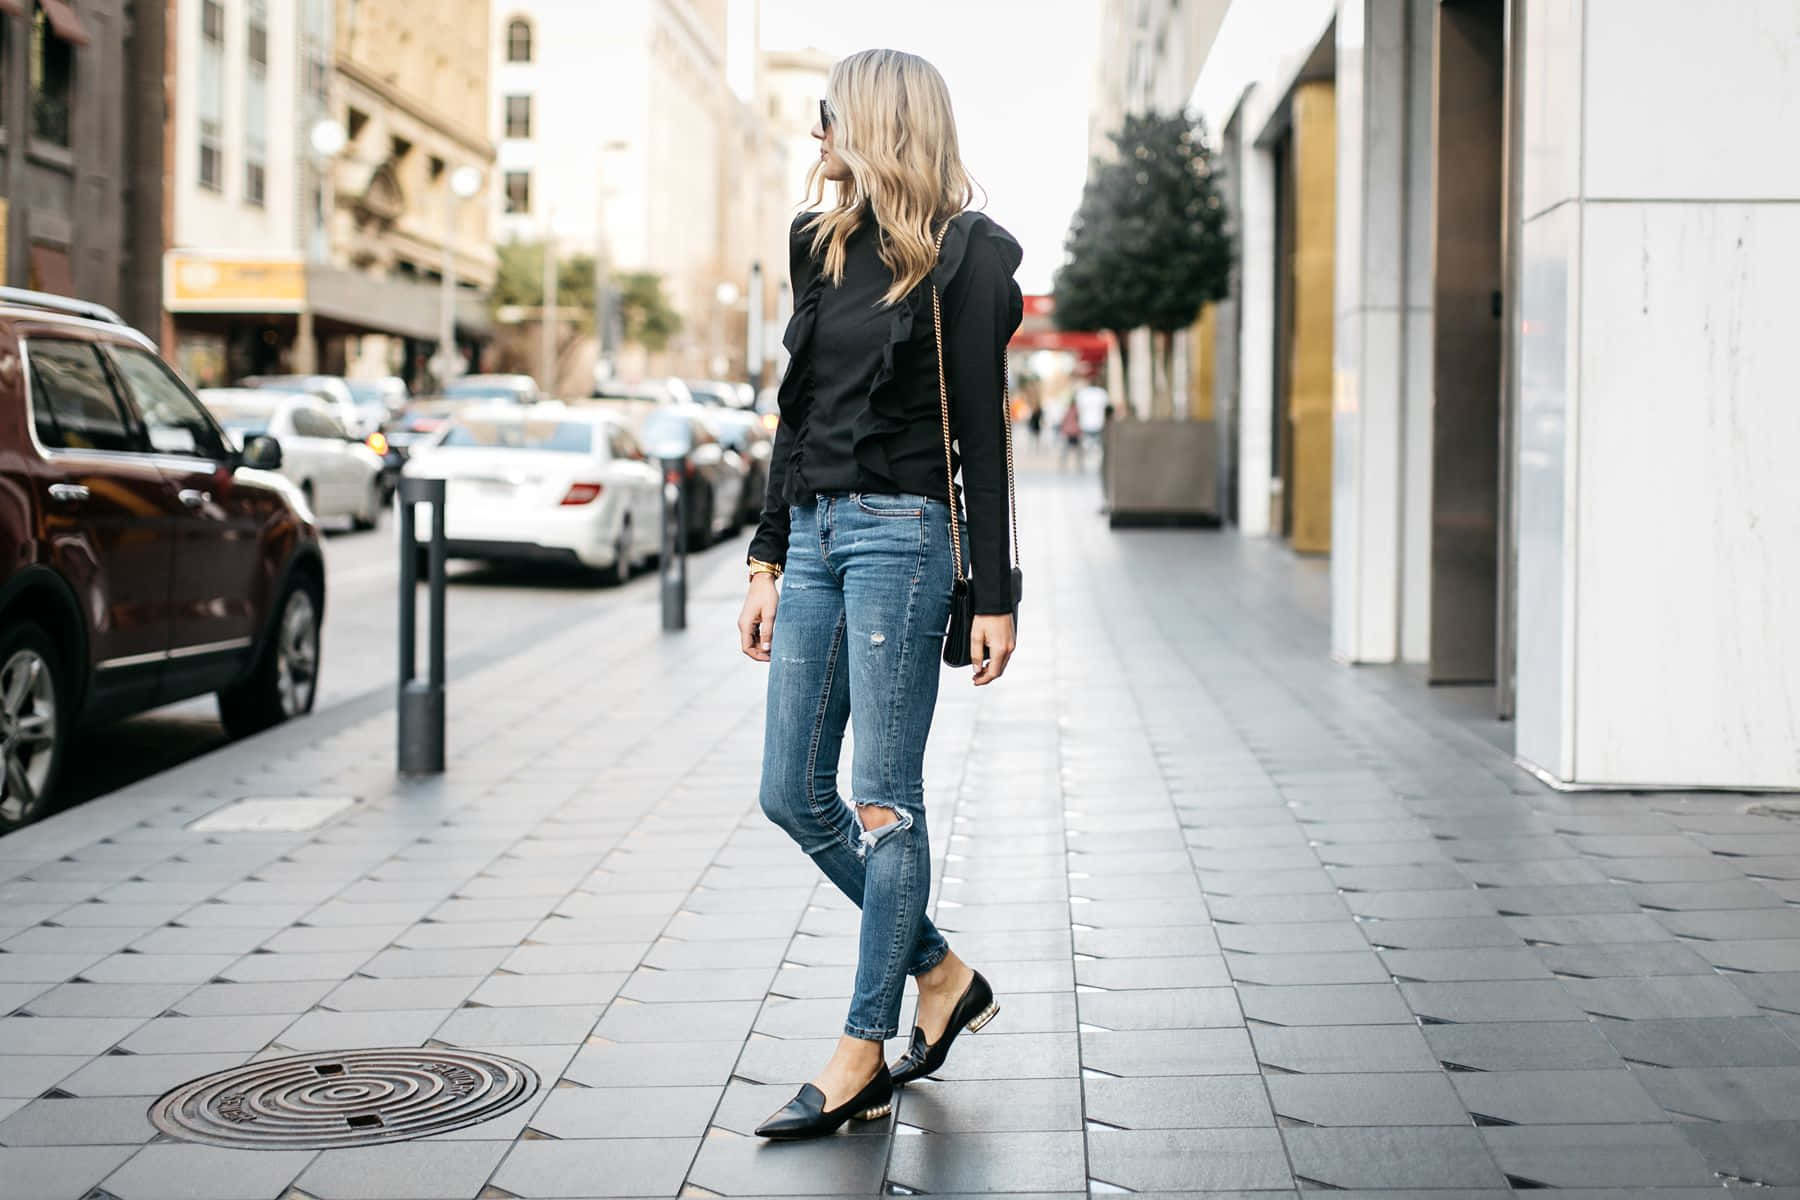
(859,401)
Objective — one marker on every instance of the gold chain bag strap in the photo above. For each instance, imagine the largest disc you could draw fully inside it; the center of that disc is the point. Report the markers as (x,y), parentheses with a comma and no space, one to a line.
(958,635)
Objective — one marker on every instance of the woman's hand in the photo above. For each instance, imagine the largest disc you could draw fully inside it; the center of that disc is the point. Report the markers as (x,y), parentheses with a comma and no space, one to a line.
(990,646)
(756,624)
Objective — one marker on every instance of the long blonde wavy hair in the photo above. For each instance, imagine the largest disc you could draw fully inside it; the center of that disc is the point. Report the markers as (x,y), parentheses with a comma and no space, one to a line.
(895,131)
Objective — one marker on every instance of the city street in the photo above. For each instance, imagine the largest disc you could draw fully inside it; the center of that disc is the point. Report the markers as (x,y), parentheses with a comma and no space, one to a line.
(1257,922)
(1395,786)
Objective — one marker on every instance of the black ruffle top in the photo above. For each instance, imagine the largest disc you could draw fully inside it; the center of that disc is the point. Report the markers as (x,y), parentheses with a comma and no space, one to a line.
(859,401)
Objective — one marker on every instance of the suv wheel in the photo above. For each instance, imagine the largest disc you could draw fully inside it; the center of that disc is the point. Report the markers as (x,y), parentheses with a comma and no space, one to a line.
(33,728)
(286,679)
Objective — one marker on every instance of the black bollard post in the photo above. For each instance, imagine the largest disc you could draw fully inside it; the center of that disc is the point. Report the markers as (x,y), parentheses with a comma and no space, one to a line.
(673,564)
(421,711)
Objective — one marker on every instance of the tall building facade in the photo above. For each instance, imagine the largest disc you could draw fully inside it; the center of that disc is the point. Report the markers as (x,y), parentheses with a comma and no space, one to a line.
(314,143)
(1546,346)
(1149,54)
(791,85)
(410,90)
(619,136)
(252,77)
(81,104)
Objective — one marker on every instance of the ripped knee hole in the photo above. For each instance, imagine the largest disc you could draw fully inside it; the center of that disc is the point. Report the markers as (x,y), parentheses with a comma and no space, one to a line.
(880,821)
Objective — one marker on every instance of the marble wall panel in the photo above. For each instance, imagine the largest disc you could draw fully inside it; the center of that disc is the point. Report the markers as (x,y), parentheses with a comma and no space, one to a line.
(1684,106)
(1687,665)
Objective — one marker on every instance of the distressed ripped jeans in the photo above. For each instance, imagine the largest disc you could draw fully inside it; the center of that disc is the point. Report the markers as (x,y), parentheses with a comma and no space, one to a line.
(859,636)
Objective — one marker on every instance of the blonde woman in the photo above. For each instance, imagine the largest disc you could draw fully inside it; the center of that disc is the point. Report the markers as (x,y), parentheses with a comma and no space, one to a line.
(857,523)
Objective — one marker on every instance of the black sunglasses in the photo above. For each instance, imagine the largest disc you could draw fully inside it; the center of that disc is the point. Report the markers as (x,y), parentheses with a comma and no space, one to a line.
(824,115)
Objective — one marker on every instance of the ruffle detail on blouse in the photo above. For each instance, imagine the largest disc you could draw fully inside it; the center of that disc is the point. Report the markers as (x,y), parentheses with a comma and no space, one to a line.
(889,411)
(795,389)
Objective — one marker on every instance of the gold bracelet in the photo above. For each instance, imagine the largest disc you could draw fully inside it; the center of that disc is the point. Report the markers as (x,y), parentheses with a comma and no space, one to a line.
(759,567)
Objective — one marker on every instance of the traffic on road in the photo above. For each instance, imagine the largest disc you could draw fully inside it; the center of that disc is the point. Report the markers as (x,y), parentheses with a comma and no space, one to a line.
(182,568)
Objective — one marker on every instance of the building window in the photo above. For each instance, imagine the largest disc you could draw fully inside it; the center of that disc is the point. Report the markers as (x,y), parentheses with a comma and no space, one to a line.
(211,103)
(212,158)
(256,104)
(518,192)
(518,40)
(518,116)
(52,81)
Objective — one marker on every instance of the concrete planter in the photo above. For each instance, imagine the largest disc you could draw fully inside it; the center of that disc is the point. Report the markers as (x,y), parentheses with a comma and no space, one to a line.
(1162,472)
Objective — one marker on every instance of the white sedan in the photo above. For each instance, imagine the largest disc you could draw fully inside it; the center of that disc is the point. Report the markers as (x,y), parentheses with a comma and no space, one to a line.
(339,475)
(544,483)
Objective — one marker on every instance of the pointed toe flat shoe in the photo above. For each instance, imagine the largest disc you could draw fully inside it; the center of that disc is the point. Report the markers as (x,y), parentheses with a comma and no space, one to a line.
(805,1116)
(976,1008)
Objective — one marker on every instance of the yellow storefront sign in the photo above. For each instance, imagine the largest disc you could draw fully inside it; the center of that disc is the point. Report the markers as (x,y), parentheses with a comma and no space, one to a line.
(217,283)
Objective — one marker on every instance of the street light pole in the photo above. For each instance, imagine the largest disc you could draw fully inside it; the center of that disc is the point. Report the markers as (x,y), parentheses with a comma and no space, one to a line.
(727,296)
(604,302)
(327,140)
(447,315)
(753,350)
(447,364)
(547,324)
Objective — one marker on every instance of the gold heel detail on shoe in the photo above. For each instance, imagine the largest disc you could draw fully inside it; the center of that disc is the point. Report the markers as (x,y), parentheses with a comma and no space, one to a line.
(875,1114)
(987,1014)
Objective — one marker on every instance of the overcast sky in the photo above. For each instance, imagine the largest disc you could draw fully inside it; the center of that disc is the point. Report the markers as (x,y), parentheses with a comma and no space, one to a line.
(1020,73)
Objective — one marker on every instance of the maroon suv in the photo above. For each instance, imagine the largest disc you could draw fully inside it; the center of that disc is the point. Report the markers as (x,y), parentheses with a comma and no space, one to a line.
(142,559)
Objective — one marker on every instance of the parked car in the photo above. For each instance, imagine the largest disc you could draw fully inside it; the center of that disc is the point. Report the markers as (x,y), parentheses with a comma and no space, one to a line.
(715,486)
(668,390)
(389,390)
(340,476)
(548,484)
(144,559)
(377,401)
(420,421)
(718,393)
(494,389)
(742,433)
(329,388)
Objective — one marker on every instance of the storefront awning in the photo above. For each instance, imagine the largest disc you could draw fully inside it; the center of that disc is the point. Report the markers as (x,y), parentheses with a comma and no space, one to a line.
(197,281)
(403,307)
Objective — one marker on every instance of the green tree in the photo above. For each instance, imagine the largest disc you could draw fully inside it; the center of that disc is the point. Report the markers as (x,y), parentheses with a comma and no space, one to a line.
(643,310)
(1148,245)
(519,282)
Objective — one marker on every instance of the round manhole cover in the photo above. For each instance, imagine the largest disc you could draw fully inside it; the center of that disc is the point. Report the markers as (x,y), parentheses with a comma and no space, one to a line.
(353,1098)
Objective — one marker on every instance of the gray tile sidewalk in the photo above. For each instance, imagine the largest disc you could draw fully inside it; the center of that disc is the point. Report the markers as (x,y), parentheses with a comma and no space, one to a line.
(1259,923)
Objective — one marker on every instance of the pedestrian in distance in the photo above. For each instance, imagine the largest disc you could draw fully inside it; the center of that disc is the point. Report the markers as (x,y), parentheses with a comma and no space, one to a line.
(904,301)
(1069,428)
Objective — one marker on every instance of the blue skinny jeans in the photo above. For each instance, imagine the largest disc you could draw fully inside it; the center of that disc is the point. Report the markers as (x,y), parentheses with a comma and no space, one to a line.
(859,637)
